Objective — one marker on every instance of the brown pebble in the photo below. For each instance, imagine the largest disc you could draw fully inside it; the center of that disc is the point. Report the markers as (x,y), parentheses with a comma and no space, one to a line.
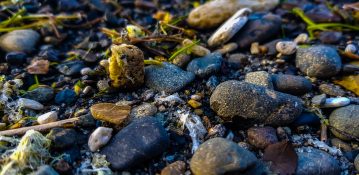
(341,144)
(38,67)
(261,137)
(175,168)
(110,112)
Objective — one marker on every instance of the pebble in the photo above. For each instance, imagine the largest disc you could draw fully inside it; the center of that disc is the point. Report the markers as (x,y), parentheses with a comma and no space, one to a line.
(237,60)
(131,73)
(99,138)
(302,38)
(356,162)
(194,104)
(291,84)
(41,94)
(286,47)
(212,83)
(45,170)
(330,37)
(205,66)
(319,100)
(227,48)
(19,41)
(140,141)
(181,60)
(62,138)
(38,67)
(66,96)
(86,71)
(220,156)
(261,137)
(336,102)
(29,104)
(110,112)
(214,13)
(340,144)
(351,48)
(71,68)
(331,90)
(345,119)
(175,168)
(197,50)
(47,117)
(143,110)
(260,78)
(16,58)
(258,29)
(315,161)
(168,77)
(318,61)
(224,33)
(239,100)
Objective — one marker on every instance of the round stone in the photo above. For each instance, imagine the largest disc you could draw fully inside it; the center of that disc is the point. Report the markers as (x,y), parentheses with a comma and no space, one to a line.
(19,41)
(345,120)
(261,137)
(99,138)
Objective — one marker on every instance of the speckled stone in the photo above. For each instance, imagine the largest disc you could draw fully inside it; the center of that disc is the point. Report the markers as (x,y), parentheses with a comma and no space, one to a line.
(168,77)
(261,137)
(260,78)
(331,90)
(318,61)
(345,119)
(220,156)
(41,94)
(205,66)
(143,110)
(316,162)
(244,101)
(340,144)
(291,84)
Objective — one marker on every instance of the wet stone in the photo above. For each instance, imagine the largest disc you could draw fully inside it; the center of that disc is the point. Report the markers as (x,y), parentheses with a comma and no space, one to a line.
(66,96)
(143,110)
(261,137)
(345,119)
(260,78)
(244,101)
(62,138)
(16,58)
(331,90)
(71,68)
(315,161)
(19,41)
(205,66)
(237,60)
(291,84)
(306,118)
(319,100)
(168,77)
(318,61)
(140,141)
(41,94)
(110,112)
(220,156)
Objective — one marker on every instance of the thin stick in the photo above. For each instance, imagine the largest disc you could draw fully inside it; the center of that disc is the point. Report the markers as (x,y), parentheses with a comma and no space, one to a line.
(323,132)
(40,128)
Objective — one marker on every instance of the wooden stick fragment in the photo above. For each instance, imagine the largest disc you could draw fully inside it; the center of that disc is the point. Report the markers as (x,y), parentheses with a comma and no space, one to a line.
(323,132)
(40,128)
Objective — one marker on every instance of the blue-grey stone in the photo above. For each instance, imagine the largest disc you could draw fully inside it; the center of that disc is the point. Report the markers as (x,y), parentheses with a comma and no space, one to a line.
(167,77)
(71,67)
(205,66)
(291,84)
(318,61)
(41,94)
(19,41)
(140,141)
(67,96)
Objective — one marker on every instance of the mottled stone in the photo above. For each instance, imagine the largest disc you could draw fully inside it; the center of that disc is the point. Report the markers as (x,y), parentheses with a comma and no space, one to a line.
(62,138)
(110,112)
(331,90)
(340,144)
(143,110)
(260,78)
(345,119)
(261,137)
(175,168)
(41,94)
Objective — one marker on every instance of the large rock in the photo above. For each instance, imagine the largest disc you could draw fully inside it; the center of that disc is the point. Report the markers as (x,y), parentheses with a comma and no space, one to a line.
(214,13)
(168,77)
(318,61)
(138,142)
(205,66)
(240,100)
(220,156)
(316,162)
(345,120)
(19,41)
(258,29)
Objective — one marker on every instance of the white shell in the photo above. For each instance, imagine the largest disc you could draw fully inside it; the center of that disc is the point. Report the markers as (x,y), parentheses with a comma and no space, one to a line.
(350,48)
(225,32)
(99,138)
(336,102)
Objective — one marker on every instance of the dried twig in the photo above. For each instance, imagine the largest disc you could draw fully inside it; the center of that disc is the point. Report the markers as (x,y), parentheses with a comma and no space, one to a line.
(323,132)
(41,128)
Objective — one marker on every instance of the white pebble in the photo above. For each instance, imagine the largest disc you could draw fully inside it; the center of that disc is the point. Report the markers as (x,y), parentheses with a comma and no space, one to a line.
(29,104)
(225,32)
(286,47)
(302,38)
(86,71)
(336,102)
(99,138)
(47,117)
(351,48)
(196,97)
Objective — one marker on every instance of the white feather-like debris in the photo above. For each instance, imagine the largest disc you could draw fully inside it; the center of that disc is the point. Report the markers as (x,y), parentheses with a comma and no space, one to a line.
(170,99)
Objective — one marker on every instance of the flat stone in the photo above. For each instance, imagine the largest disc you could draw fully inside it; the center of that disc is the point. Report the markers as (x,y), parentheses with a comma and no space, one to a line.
(67,96)
(220,156)
(205,66)
(318,61)
(168,77)
(233,100)
(261,137)
(345,119)
(30,104)
(331,90)
(260,78)
(315,161)
(110,112)
(71,68)
(19,41)
(291,84)
(47,117)
(140,141)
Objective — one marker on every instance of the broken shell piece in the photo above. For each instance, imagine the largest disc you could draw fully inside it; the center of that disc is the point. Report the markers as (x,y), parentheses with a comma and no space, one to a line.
(99,138)
(229,28)
(336,102)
